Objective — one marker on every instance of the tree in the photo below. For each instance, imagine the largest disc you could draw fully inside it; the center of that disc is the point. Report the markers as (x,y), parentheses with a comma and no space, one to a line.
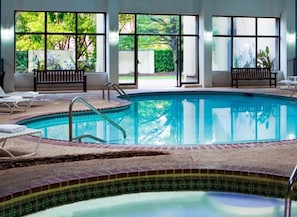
(168,28)
(29,22)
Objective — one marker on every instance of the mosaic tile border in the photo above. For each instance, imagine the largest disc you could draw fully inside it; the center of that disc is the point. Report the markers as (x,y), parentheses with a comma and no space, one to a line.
(57,194)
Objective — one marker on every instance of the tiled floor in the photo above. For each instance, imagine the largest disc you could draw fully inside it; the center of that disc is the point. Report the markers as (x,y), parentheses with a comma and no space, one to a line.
(276,158)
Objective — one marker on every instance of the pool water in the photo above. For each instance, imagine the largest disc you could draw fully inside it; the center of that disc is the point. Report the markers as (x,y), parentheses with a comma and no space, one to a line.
(187,118)
(173,204)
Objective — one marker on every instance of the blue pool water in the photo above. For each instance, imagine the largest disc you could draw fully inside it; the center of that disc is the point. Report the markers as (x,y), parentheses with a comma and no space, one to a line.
(184,118)
(173,204)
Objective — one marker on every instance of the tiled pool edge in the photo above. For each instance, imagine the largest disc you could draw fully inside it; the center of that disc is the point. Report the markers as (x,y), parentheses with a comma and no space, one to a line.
(55,193)
(165,147)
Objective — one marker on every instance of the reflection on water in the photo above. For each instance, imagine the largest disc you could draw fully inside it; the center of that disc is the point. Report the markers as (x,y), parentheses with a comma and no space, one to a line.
(186,120)
(173,204)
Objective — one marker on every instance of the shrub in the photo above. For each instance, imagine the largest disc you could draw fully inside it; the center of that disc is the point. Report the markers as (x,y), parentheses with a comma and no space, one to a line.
(164,61)
(21,61)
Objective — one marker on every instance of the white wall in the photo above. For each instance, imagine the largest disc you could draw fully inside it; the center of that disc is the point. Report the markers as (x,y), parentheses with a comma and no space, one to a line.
(285,9)
(160,6)
(264,8)
(145,66)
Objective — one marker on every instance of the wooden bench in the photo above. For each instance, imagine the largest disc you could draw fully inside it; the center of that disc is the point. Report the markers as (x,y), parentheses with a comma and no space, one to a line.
(252,74)
(43,77)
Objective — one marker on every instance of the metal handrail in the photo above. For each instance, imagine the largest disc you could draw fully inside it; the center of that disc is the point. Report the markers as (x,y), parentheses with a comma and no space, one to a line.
(288,200)
(79,138)
(116,87)
(79,99)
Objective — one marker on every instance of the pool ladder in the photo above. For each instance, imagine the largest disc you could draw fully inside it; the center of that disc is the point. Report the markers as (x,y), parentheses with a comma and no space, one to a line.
(288,200)
(116,87)
(79,138)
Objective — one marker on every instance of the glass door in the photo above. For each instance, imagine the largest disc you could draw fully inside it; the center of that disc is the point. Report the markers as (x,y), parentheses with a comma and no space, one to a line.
(188,51)
(127,48)
(156,68)
(127,60)
(164,48)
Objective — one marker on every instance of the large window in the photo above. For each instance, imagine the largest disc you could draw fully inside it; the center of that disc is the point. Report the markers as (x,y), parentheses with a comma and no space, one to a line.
(245,42)
(59,40)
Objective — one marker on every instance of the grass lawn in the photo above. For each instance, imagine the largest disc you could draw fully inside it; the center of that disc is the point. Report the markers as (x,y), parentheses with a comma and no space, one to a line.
(148,77)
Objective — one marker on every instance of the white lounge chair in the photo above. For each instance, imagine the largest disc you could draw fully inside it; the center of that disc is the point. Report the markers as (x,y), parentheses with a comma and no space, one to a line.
(33,95)
(8,131)
(15,103)
(291,83)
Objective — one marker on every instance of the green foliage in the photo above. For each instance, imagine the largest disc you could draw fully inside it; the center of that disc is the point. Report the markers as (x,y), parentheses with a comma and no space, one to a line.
(88,64)
(86,23)
(29,22)
(263,59)
(26,42)
(164,61)
(126,23)
(61,22)
(126,42)
(21,61)
(163,27)
(158,24)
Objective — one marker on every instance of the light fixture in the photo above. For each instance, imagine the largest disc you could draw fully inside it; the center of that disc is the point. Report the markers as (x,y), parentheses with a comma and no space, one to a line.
(208,35)
(5,33)
(291,37)
(113,37)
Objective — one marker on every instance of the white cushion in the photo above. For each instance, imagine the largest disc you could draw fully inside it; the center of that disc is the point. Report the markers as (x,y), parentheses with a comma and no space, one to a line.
(11,128)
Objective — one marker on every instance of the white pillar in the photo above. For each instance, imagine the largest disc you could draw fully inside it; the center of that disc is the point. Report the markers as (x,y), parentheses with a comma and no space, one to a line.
(190,61)
(287,48)
(7,43)
(112,56)
(100,44)
(205,48)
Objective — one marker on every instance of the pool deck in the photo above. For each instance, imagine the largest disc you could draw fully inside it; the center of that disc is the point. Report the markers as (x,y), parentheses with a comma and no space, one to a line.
(277,158)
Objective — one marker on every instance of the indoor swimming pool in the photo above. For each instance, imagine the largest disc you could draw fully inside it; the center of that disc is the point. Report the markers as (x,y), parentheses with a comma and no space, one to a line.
(173,204)
(183,118)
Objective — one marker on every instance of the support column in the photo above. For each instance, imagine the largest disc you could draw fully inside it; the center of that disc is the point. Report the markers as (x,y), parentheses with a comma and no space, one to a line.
(112,57)
(7,44)
(1,60)
(295,59)
(205,48)
(288,46)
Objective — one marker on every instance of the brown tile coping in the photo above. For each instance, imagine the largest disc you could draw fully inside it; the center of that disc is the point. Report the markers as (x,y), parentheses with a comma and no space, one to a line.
(167,148)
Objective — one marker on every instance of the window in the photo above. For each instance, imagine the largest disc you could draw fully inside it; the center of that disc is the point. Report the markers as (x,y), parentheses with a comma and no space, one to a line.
(59,40)
(245,42)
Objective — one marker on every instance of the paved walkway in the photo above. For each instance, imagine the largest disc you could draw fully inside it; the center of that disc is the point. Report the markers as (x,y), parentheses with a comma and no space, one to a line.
(272,158)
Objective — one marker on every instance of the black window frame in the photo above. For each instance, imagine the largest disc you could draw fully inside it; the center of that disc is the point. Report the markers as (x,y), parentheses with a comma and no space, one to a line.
(232,35)
(45,33)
